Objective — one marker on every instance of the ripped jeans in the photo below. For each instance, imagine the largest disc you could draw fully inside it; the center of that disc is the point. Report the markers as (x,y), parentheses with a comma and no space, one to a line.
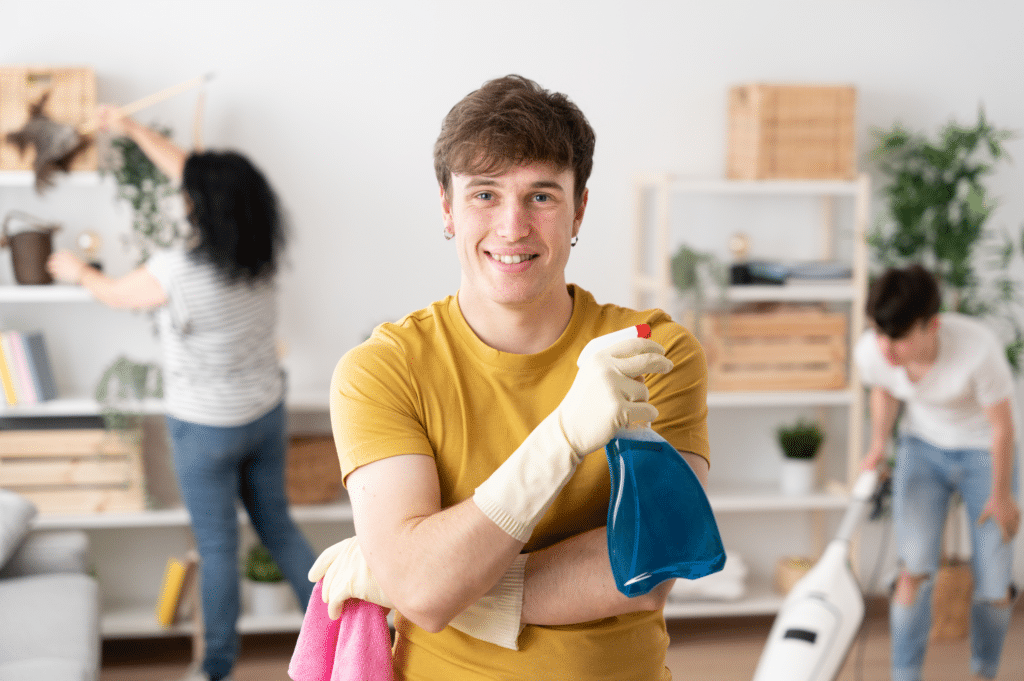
(924,479)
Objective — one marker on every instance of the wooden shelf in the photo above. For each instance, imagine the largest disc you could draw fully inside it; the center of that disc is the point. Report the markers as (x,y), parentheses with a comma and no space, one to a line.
(746,497)
(140,622)
(26,178)
(760,599)
(50,293)
(682,185)
(340,511)
(780,398)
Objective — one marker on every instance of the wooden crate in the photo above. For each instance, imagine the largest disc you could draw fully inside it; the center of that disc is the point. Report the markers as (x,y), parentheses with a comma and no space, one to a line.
(72,101)
(786,349)
(74,471)
(792,132)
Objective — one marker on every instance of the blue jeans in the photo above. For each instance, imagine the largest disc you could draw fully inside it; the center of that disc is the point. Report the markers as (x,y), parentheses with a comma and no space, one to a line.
(924,479)
(215,466)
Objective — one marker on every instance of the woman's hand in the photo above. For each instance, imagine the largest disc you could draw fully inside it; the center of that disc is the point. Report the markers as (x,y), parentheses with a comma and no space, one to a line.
(109,118)
(66,267)
(1003,510)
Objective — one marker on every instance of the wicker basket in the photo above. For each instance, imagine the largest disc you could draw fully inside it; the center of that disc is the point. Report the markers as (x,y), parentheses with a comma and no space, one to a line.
(72,101)
(313,475)
(951,600)
(785,348)
(790,570)
(791,132)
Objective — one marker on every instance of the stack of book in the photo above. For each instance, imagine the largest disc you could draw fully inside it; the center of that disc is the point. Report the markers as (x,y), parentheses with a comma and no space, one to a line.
(26,376)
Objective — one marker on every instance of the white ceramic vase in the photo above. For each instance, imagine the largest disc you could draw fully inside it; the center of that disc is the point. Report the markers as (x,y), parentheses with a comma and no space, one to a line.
(268,599)
(797,476)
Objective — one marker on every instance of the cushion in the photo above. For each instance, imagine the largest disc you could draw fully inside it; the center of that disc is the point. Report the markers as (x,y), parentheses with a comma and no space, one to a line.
(50,616)
(49,551)
(16,514)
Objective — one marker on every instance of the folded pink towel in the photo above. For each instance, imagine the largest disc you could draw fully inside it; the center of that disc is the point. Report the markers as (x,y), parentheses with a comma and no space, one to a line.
(354,647)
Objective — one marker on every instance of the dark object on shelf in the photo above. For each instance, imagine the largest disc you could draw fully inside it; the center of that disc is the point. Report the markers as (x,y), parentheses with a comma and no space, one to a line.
(30,247)
(739,275)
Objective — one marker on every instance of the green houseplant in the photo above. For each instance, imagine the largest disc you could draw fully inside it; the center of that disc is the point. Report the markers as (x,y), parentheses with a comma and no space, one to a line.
(799,442)
(144,187)
(694,273)
(267,590)
(937,209)
(121,390)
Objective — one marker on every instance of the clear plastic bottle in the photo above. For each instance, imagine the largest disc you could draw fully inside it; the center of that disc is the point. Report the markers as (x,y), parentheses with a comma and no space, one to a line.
(660,523)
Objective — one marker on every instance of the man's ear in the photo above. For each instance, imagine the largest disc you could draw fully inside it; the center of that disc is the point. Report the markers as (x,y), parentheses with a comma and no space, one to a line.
(580,210)
(446,210)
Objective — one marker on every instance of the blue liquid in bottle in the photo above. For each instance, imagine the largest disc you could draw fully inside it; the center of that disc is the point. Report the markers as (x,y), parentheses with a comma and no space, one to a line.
(660,523)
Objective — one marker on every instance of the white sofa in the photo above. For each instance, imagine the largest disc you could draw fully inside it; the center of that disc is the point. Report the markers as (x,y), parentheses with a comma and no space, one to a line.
(49,605)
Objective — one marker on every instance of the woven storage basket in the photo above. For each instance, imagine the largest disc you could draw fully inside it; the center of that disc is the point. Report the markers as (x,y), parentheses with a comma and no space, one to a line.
(313,475)
(951,600)
(791,132)
(72,101)
(790,570)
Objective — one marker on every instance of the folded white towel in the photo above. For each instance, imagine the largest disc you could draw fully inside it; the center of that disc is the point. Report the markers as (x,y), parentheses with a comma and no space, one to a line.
(728,584)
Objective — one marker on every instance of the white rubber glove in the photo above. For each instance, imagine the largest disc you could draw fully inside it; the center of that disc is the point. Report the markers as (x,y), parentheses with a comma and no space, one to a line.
(346,575)
(604,397)
(495,617)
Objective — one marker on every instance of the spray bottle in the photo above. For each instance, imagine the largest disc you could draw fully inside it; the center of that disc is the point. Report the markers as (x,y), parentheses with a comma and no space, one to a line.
(660,523)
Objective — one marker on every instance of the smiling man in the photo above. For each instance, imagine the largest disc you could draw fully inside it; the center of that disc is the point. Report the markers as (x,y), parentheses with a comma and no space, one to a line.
(470,442)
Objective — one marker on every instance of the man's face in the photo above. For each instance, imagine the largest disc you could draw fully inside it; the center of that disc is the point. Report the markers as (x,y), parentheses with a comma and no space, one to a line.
(512,233)
(913,346)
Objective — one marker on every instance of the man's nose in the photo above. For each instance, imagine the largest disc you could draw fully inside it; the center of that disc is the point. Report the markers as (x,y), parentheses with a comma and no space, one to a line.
(514,222)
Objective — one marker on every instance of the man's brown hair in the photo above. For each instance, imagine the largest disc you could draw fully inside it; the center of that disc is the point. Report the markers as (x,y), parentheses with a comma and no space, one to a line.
(510,121)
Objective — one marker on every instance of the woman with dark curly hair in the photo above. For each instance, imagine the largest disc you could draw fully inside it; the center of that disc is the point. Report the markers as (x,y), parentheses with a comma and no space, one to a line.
(223,382)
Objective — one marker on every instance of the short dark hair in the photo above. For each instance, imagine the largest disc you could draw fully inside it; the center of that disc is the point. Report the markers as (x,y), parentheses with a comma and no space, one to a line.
(901,298)
(509,121)
(236,214)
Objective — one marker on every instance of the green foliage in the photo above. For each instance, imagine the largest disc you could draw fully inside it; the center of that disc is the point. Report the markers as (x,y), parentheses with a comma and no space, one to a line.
(693,273)
(144,187)
(121,389)
(937,210)
(260,566)
(800,440)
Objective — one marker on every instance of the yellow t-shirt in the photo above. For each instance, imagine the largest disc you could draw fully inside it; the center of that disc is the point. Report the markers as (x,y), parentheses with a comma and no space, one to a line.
(428,385)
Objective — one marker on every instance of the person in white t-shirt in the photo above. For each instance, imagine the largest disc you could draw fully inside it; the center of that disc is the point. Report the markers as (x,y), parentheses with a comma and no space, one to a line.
(950,375)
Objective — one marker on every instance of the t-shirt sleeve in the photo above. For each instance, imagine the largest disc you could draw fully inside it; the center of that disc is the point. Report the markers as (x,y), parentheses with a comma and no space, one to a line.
(159,265)
(681,395)
(866,357)
(373,406)
(993,378)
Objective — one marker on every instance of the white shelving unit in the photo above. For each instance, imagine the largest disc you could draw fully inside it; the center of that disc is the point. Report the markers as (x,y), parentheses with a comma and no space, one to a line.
(743,497)
(130,550)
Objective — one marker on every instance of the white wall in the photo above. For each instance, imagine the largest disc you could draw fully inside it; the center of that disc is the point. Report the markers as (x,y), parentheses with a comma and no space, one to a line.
(340,103)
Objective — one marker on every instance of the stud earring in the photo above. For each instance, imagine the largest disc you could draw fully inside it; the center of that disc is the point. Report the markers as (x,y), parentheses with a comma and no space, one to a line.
(448,235)
(573,240)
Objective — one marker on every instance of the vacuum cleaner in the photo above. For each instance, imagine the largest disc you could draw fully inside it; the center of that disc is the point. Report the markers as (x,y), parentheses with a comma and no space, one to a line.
(820,616)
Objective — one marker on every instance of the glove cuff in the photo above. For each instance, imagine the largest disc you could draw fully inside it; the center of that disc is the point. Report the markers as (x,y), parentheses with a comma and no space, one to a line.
(497,616)
(516,496)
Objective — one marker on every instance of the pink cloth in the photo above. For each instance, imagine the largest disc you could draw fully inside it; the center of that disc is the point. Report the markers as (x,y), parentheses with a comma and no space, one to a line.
(354,647)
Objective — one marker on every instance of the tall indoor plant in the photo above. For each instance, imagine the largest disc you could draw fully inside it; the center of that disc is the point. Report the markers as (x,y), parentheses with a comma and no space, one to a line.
(936,212)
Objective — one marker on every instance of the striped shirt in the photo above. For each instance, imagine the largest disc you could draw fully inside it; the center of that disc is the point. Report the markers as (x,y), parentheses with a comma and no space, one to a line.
(220,363)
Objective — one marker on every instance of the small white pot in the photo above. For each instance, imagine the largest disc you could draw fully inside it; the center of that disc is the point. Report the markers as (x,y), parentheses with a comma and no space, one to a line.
(268,599)
(798,476)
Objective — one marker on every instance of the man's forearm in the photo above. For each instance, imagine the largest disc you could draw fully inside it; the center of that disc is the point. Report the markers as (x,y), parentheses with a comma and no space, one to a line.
(572,582)
(883,408)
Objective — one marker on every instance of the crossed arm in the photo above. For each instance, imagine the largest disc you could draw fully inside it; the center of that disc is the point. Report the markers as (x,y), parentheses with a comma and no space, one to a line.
(433,562)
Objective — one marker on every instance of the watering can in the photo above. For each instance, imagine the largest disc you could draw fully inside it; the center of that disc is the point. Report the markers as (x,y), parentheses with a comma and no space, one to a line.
(31,244)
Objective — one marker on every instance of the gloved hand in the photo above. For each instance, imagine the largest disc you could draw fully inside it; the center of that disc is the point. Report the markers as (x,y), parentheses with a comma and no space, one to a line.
(346,575)
(604,397)
(494,618)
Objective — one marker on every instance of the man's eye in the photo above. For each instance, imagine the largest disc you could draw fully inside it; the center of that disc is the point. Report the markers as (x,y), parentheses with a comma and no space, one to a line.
(486,196)
(541,198)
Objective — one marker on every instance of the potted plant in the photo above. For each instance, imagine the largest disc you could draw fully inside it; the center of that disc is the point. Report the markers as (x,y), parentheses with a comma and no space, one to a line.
(268,594)
(799,443)
(693,273)
(145,188)
(936,214)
